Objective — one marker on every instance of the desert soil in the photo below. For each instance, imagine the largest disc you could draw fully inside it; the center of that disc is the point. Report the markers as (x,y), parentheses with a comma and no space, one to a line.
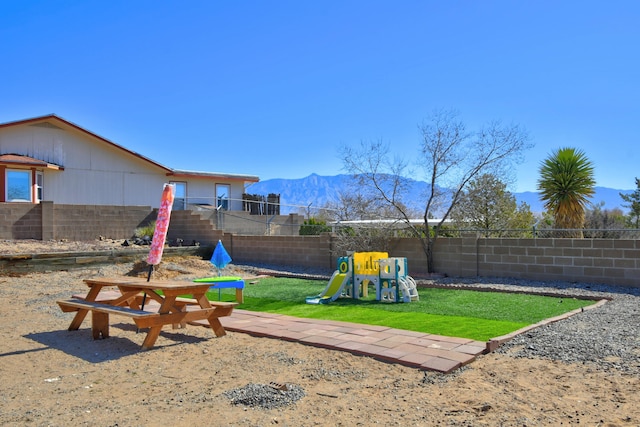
(53,377)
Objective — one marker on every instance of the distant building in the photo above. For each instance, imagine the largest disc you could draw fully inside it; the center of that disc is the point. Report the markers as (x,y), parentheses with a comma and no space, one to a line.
(395,224)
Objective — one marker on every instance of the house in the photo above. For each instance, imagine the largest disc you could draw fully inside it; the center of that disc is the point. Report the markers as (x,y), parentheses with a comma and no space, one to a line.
(49,158)
(61,181)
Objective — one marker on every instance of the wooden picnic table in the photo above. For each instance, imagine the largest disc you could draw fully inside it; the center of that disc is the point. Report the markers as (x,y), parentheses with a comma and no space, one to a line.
(173,309)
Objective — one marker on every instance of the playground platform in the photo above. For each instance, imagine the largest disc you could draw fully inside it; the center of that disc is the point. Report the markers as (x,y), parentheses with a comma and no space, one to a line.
(415,349)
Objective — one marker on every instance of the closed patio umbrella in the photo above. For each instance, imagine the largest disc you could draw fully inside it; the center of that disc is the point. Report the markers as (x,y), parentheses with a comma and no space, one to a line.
(162,226)
(160,232)
(220,257)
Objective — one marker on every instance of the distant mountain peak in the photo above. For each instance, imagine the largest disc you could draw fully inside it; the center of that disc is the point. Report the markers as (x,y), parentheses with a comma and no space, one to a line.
(318,190)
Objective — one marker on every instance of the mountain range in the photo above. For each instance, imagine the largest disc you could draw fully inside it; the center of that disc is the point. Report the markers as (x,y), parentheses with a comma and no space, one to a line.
(315,191)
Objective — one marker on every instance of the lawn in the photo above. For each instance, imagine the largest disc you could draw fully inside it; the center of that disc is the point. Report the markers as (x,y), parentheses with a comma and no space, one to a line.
(460,313)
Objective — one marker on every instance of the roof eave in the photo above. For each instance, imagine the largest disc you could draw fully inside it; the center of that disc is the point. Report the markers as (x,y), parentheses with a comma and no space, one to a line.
(214,175)
(18,160)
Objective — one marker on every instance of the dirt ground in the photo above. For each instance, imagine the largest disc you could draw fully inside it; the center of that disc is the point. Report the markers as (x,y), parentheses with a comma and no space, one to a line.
(53,377)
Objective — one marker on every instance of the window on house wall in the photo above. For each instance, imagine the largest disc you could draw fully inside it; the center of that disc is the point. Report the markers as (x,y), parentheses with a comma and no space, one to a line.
(18,187)
(222,196)
(39,185)
(180,197)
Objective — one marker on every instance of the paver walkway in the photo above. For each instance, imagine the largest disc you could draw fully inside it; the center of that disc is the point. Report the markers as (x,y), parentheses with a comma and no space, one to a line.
(415,349)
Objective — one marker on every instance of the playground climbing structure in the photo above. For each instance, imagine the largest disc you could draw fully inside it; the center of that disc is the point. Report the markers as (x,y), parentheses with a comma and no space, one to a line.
(360,269)
(395,284)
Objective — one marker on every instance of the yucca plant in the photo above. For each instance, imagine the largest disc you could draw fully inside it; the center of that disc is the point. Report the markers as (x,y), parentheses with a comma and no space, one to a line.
(566,183)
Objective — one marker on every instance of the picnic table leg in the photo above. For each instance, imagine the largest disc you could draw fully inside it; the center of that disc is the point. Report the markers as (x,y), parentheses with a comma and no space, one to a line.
(216,326)
(152,336)
(82,313)
(77,319)
(99,325)
(183,324)
(168,301)
(213,320)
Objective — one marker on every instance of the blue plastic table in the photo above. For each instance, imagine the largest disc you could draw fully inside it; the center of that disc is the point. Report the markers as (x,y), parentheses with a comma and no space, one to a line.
(225,282)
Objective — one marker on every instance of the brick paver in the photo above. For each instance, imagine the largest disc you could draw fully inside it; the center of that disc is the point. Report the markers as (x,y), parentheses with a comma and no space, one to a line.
(415,349)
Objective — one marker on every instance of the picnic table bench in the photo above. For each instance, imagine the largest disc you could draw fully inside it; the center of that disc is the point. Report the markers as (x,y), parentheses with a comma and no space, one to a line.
(174,308)
(100,314)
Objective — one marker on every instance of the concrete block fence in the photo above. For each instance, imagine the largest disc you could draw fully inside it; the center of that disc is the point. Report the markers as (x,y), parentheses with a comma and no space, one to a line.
(308,251)
(598,261)
(49,221)
(605,261)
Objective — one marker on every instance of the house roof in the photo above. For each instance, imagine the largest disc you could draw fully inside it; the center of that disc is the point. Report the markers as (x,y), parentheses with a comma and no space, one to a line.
(169,171)
(230,176)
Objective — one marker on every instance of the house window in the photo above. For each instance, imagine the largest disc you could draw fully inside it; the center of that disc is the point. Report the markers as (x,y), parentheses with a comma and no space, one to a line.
(39,184)
(18,187)
(180,197)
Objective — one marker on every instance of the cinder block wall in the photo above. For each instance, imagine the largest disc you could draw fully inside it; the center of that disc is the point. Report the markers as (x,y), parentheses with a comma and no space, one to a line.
(20,221)
(606,261)
(191,227)
(89,222)
(312,251)
(610,261)
(48,221)
(453,256)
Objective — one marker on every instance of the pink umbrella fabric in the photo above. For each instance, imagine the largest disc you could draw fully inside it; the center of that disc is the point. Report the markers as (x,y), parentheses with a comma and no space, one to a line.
(162,225)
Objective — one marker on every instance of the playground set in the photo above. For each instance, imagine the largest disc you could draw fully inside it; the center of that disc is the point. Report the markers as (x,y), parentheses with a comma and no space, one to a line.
(356,271)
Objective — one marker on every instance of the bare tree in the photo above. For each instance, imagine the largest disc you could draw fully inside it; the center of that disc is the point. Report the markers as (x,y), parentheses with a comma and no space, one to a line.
(449,157)
(361,222)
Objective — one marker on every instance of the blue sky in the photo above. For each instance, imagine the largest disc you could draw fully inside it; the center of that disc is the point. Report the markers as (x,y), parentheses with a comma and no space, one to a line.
(274,88)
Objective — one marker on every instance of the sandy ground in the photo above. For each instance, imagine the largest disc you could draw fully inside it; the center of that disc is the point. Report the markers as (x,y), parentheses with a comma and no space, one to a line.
(53,377)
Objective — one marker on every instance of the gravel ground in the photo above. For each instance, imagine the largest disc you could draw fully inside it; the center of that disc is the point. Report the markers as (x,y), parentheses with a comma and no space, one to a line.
(265,396)
(607,338)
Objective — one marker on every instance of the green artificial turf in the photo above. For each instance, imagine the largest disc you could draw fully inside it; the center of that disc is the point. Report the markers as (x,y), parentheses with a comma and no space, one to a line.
(459,313)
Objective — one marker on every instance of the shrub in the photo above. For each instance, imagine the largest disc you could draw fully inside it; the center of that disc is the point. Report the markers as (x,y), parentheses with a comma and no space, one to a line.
(314,227)
(146,231)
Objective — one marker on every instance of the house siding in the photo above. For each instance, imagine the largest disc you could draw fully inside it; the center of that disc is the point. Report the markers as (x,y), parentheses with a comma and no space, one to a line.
(94,173)
(202,191)
(98,172)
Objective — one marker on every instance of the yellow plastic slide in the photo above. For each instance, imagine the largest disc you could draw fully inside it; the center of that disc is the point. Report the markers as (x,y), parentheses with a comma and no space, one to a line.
(332,291)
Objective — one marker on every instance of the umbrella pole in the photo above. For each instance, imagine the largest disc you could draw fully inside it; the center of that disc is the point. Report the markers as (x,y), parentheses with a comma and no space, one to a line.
(144,294)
